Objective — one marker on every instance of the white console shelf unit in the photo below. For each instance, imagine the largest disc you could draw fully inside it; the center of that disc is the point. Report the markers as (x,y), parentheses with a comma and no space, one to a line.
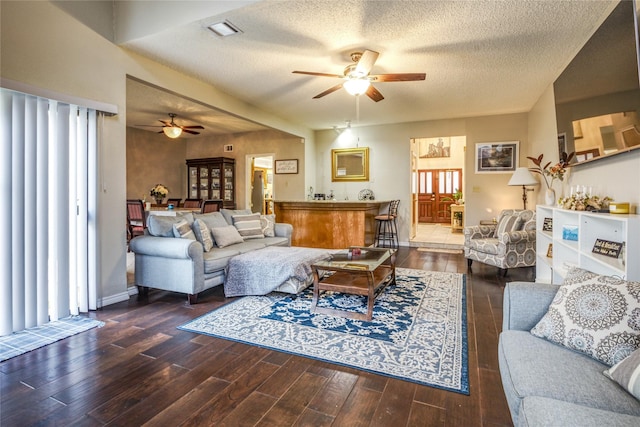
(590,227)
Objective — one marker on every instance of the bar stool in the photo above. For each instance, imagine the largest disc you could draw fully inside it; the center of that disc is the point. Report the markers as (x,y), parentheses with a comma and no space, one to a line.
(387,227)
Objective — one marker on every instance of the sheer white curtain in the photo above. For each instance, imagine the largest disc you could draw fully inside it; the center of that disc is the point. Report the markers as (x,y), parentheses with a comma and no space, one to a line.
(47,175)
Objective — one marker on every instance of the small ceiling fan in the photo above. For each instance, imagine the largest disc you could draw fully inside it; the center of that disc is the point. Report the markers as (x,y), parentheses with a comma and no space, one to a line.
(357,80)
(173,130)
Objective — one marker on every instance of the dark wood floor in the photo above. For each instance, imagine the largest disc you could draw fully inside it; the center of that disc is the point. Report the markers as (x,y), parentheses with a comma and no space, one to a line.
(139,369)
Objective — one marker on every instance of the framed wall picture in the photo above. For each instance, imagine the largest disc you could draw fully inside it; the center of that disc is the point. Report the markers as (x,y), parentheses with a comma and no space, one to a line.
(497,157)
(287,166)
(434,147)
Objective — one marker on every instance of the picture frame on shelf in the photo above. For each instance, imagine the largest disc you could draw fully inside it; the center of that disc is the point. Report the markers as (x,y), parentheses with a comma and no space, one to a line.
(288,166)
(608,248)
(497,157)
(550,250)
(570,232)
(547,224)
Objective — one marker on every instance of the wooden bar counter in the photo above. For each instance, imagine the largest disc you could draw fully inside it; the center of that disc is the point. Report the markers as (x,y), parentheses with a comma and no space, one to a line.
(330,224)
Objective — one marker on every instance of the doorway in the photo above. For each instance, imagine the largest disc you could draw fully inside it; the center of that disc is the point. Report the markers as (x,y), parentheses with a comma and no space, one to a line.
(260,183)
(437,166)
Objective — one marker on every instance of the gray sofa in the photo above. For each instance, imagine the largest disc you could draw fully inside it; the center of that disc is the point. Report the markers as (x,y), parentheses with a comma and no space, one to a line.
(549,385)
(176,264)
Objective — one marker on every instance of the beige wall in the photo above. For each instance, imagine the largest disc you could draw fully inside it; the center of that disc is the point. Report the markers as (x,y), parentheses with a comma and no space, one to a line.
(152,159)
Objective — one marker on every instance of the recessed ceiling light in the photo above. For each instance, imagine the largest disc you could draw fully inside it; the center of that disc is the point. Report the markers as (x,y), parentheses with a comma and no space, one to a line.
(224,29)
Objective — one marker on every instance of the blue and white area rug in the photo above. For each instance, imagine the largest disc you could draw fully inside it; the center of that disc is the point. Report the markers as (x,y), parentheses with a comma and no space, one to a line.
(418,332)
(30,339)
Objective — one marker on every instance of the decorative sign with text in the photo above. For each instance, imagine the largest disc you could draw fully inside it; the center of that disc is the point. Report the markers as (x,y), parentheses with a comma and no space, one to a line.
(607,248)
(547,225)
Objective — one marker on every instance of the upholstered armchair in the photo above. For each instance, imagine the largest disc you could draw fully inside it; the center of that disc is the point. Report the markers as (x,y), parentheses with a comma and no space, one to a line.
(509,243)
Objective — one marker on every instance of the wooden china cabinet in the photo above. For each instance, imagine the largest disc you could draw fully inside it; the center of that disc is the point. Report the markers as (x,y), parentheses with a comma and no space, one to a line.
(213,178)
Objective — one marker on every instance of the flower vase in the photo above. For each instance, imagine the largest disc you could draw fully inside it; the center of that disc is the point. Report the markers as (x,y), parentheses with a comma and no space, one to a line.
(159,200)
(550,197)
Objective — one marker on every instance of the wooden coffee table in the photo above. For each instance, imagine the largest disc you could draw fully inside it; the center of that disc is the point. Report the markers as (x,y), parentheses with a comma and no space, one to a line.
(365,274)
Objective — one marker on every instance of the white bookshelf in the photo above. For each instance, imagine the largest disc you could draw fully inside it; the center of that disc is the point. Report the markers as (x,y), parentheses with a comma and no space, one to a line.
(590,227)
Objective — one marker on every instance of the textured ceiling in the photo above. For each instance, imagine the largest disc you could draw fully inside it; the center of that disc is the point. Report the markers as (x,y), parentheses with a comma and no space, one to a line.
(480,57)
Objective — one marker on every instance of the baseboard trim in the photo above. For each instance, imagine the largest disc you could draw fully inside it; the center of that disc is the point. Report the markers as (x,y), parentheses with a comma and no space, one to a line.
(113,299)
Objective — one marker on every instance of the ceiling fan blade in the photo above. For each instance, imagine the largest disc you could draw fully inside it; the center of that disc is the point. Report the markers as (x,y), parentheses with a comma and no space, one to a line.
(191,127)
(397,77)
(328,91)
(365,64)
(374,94)
(311,73)
(193,132)
(164,122)
(150,126)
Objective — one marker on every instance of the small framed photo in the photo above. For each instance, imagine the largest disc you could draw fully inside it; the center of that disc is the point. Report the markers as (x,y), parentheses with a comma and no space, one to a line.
(570,232)
(550,251)
(287,166)
(497,157)
(547,225)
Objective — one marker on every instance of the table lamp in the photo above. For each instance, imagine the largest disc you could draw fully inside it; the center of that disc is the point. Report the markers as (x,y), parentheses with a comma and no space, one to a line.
(523,177)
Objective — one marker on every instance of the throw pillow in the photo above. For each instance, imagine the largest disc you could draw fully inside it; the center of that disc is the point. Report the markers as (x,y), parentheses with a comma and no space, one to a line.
(507,224)
(212,219)
(594,314)
(203,235)
(268,224)
(248,226)
(162,226)
(225,236)
(229,213)
(183,229)
(627,373)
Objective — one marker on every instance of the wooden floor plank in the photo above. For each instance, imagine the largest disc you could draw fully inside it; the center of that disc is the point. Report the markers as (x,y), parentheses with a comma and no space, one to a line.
(140,368)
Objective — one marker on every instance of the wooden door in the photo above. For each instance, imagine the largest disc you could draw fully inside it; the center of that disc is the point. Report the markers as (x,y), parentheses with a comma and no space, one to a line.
(435,194)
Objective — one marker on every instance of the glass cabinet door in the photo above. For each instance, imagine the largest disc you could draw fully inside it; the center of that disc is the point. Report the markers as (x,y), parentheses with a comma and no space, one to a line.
(215,182)
(204,182)
(193,182)
(228,183)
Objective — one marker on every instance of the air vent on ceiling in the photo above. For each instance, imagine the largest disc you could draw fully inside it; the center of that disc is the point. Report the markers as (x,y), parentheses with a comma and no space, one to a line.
(228,148)
(224,29)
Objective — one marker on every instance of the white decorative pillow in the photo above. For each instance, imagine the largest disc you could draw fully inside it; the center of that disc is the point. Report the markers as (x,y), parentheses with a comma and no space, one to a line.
(203,235)
(268,224)
(183,229)
(627,373)
(594,314)
(248,226)
(225,236)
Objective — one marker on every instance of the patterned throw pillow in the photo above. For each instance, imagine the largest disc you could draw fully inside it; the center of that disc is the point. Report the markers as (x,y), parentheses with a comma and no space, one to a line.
(248,226)
(268,223)
(594,314)
(508,223)
(627,373)
(225,236)
(183,229)
(203,235)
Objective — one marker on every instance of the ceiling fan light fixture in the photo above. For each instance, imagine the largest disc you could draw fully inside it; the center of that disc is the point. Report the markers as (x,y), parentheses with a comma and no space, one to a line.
(172,131)
(356,86)
(224,29)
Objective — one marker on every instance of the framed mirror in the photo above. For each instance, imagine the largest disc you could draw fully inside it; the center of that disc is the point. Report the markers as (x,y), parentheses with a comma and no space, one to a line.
(350,164)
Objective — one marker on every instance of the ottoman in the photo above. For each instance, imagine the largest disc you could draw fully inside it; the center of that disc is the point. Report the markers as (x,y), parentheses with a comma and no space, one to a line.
(274,268)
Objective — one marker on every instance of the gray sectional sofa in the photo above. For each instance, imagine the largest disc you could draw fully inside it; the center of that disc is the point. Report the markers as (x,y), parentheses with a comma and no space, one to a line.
(550,385)
(178,264)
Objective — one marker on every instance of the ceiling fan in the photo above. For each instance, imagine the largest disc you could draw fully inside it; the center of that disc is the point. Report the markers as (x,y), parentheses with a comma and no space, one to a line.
(357,80)
(172,130)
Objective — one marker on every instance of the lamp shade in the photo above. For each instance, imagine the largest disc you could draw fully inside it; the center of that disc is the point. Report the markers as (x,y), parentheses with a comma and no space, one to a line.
(522,176)
(356,86)
(172,131)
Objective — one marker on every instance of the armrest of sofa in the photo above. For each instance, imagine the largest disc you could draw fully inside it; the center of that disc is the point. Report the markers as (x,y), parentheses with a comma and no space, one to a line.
(517,236)
(524,304)
(478,232)
(284,230)
(166,247)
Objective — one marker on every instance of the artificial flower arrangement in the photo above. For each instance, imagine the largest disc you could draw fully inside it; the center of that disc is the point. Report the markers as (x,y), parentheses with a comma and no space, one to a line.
(556,171)
(581,201)
(159,191)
